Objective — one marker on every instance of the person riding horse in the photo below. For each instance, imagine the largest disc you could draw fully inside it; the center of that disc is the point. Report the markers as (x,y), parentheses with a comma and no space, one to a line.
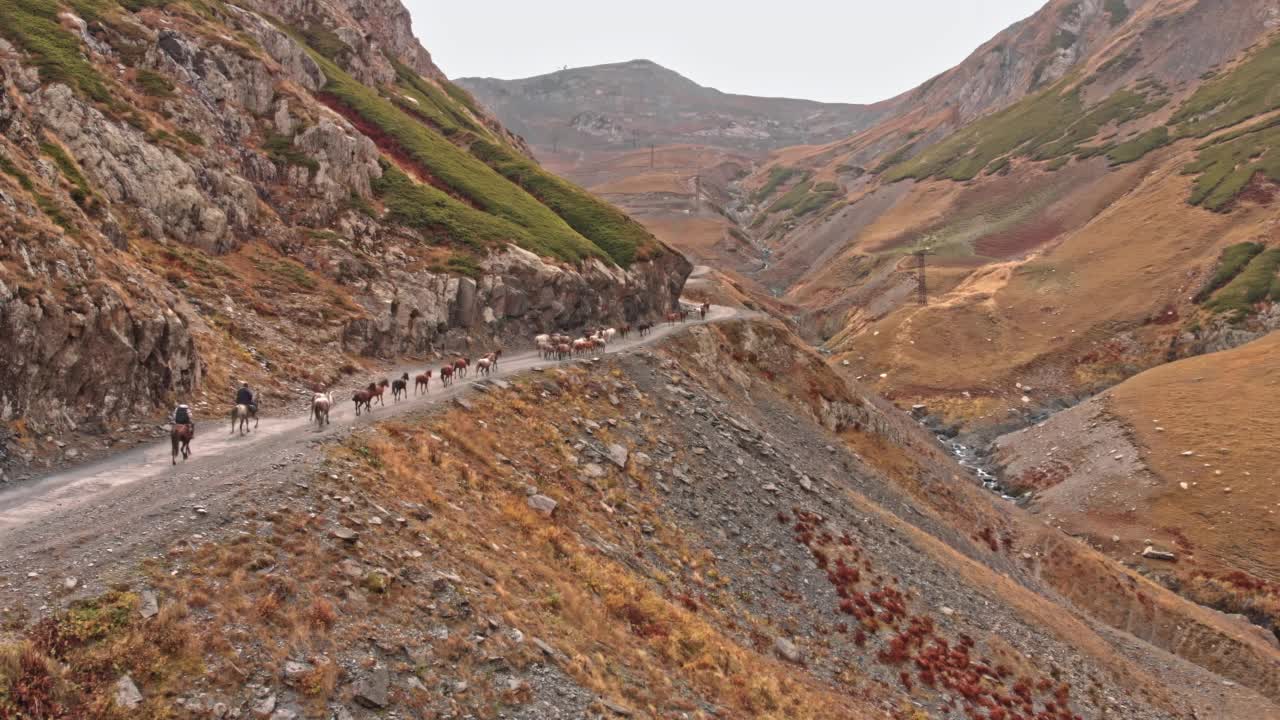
(182,416)
(244,396)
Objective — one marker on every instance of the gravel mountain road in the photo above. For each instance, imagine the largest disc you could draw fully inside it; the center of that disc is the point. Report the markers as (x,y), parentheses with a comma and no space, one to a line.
(80,522)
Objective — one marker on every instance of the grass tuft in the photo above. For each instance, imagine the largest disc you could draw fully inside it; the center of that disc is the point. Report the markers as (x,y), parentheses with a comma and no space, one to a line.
(154,84)
(1248,90)
(1127,152)
(81,191)
(33,26)
(1252,285)
(1223,169)
(1233,260)
(778,175)
(281,149)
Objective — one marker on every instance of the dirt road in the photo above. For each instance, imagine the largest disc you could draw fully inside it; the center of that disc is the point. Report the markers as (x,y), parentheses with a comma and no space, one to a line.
(74,523)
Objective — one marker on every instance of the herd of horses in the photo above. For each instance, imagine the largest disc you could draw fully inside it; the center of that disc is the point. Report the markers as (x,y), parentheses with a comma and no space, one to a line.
(551,346)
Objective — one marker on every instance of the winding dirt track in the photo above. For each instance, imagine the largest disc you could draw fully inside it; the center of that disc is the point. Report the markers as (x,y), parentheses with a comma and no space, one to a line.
(72,522)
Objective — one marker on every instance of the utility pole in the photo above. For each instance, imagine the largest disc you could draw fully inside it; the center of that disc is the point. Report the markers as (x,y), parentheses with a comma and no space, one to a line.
(922,289)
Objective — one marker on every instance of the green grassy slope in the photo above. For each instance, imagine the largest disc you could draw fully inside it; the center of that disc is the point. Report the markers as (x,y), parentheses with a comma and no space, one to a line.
(1054,124)
(431,130)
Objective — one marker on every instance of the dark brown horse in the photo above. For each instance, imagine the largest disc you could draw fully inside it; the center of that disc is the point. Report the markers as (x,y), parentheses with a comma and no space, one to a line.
(181,436)
(644,328)
(703,309)
(400,387)
(446,375)
(422,382)
(364,398)
(460,366)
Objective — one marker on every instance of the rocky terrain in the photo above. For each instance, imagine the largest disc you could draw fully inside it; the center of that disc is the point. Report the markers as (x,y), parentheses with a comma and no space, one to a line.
(194,193)
(718,526)
(714,520)
(640,103)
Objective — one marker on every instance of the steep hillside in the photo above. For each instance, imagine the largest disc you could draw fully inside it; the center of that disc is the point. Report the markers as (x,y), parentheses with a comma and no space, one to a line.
(1074,234)
(1181,458)
(196,192)
(719,527)
(1115,217)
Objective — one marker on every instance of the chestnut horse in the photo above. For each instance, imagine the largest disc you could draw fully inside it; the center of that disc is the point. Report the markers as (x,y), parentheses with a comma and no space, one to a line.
(422,381)
(180,436)
(400,387)
(446,375)
(460,366)
(364,398)
(377,391)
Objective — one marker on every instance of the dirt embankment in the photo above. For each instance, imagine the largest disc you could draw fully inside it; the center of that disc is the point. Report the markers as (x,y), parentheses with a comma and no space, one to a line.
(1181,459)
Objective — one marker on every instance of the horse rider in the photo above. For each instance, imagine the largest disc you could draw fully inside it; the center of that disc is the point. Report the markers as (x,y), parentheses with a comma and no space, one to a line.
(244,396)
(182,416)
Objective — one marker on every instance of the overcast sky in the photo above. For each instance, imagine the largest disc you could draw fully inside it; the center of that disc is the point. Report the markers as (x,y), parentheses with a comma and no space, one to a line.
(832,50)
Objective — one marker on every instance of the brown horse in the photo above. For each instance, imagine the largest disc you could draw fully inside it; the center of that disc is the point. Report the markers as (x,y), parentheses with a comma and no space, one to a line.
(400,387)
(181,436)
(673,318)
(644,328)
(377,391)
(460,366)
(703,309)
(364,398)
(446,375)
(422,381)
(624,331)
(493,357)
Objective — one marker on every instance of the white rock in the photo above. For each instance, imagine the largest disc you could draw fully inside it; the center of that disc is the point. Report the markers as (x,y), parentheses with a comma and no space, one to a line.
(127,694)
(542,504)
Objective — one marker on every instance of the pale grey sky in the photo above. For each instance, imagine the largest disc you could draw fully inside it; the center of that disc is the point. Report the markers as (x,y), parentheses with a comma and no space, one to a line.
(832,50)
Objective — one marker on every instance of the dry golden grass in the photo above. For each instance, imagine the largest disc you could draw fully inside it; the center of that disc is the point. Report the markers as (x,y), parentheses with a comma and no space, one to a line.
(1128,249)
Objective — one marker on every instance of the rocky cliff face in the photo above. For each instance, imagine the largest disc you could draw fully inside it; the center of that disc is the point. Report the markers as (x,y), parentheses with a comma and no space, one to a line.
(268,190)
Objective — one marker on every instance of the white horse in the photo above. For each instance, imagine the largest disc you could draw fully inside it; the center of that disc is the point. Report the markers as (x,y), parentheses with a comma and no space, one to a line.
(609,335)
(320,406)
